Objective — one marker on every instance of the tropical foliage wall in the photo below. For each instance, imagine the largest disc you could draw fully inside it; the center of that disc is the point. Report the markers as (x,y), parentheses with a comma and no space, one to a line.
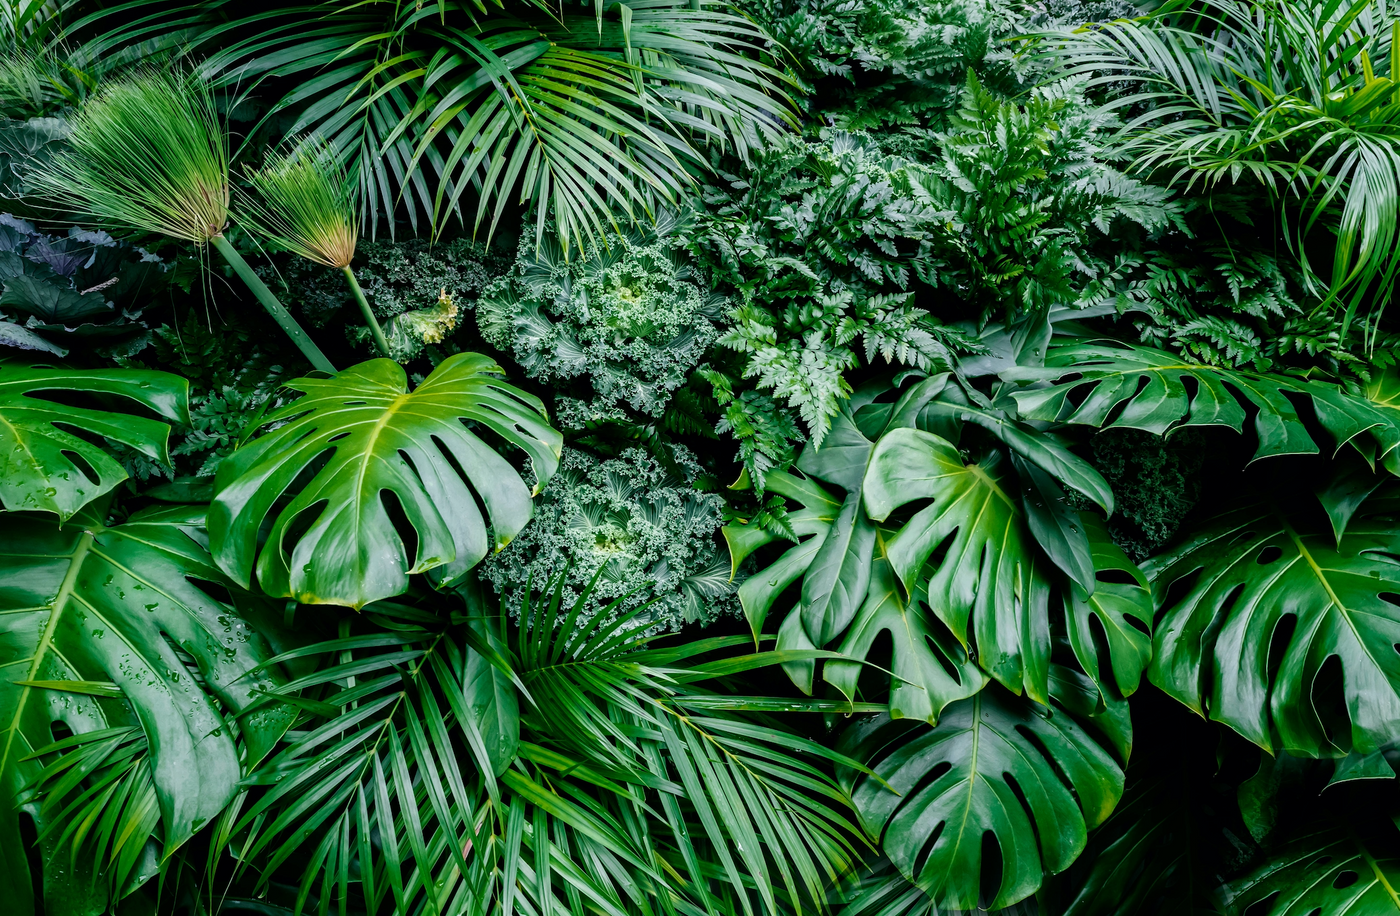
(673,458)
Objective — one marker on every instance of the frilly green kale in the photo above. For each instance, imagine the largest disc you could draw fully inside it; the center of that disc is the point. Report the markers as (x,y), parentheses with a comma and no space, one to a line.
(649,531)
(632,318)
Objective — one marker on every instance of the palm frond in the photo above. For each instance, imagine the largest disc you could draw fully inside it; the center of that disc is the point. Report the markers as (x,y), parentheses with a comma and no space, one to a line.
(577,114)
(1281,94)
(411,779)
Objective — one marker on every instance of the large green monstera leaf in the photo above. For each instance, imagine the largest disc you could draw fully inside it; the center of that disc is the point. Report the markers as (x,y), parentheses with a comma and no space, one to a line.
(44,466)
(1148,389)
(91,618)
(1255,604)
(991,575)
(1012,546)
(1029,776)
(367,443)
(1327,872)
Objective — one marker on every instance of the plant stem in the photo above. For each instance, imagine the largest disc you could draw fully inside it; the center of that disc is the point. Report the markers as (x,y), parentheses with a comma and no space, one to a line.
(274,308)
(370,320)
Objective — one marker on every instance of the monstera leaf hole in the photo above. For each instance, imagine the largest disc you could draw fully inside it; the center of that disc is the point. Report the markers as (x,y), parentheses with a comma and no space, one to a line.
(84,467)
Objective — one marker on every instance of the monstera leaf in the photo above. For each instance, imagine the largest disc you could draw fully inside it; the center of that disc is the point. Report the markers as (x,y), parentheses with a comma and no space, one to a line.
(1253,606)
(990,576)
(1121,603)
(1326,872)
(44,466)
(1149,389)
(372,448)
(1028,775)
(862,576)
(94,624)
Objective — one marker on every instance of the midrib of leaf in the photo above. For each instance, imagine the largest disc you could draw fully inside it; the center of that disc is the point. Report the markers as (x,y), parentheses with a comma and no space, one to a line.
(1342,609)
(1376,869)
(57,607)
(972,764)
(985,480)
(374,433)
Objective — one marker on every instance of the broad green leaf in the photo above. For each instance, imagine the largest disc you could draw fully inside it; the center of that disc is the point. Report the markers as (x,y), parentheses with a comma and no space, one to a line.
(1143,388)
(1326,872)
(812,523)
(365,439)
(91,603)
(834,585)
(931,669)
(1351,483)
(937,407)
(1254,575)
(989,587)
(942,788)
(44,466)
(1057,528)
(491,706)
(1120,607)
(1368,420)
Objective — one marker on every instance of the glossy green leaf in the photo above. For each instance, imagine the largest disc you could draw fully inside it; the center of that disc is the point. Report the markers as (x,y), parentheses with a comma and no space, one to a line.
(47,467)
(1224,596)
(1120,607)
(1057,528)
(812,524)
(89,603)
(930,668)
(989,588)
(944,787)
(1147,389)
(365,439)
(1326,872)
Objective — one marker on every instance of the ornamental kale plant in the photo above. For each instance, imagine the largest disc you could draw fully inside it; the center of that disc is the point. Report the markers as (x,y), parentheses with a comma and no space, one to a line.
(639,526)
(633,319)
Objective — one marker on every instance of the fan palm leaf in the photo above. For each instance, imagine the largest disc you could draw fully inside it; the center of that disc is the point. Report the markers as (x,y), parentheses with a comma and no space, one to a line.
(574,112)
(1283,93)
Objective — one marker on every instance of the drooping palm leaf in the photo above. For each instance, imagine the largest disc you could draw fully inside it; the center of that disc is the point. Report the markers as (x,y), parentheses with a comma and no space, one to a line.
(1287,95)
(620,785)
(48,468)
(335,541)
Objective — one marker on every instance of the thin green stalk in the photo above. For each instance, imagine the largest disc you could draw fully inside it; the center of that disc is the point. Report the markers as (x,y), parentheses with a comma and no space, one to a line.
(370,320)
(274,308)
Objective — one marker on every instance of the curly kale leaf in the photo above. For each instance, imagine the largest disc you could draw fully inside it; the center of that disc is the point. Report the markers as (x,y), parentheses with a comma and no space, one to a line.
(648,535)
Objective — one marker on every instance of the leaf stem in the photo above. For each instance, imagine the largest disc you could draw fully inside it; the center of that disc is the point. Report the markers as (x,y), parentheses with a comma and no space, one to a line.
(370,320)
(274,308)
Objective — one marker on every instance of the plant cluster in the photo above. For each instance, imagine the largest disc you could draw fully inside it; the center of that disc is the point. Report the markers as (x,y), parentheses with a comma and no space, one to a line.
(633,319)
(632,534)
(919,458)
